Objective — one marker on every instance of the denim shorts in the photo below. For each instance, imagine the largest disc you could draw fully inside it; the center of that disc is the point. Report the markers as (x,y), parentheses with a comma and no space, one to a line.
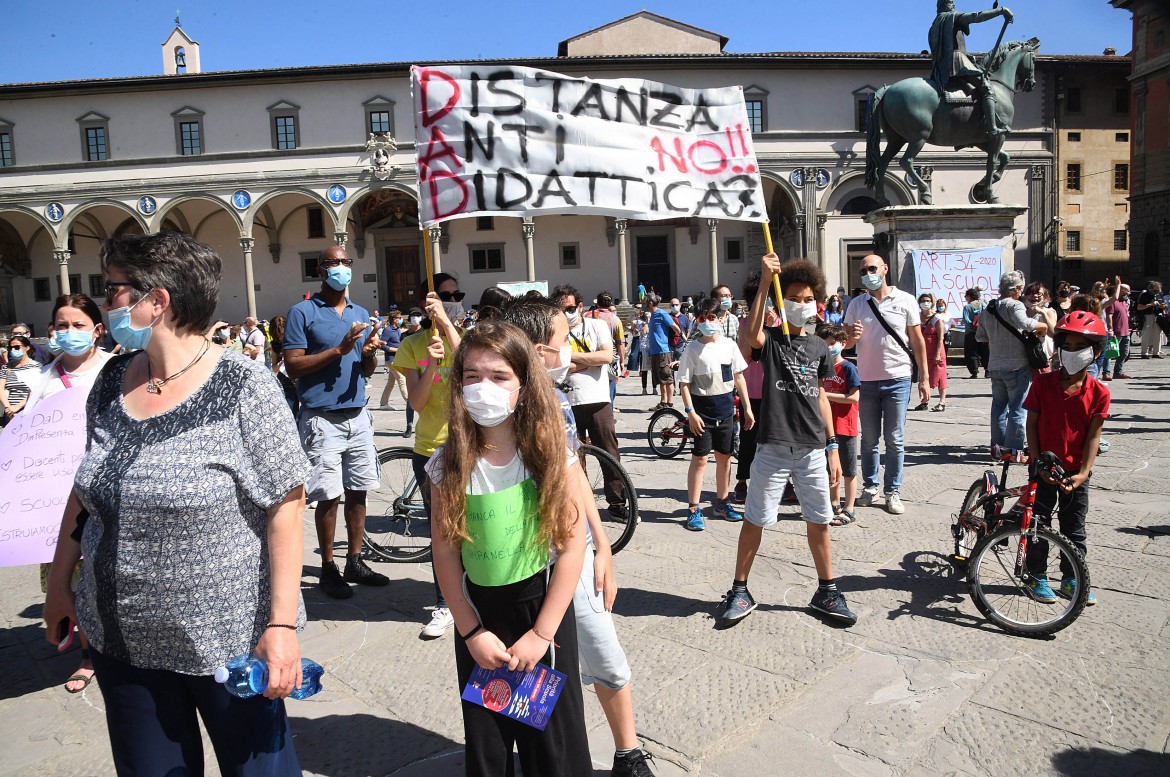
(770,471)
(340,446)
(598,650)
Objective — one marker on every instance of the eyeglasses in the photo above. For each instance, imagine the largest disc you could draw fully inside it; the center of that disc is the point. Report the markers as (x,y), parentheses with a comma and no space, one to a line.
(449,296)
(328,263)
(570,308)
(114,288)
(871,269)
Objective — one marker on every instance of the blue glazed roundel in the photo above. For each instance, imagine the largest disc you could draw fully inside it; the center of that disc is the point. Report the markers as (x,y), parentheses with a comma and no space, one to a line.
(241,199)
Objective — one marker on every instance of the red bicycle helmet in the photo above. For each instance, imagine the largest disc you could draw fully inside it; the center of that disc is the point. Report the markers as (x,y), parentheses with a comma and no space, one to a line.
(1081,323)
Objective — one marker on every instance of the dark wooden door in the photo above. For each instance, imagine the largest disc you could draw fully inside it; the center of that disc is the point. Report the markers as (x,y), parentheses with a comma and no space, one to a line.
(403,276)
(652,253)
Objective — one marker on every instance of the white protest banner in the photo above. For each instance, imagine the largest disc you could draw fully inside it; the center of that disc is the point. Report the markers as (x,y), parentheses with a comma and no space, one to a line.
(948,274)
(39,453)
(521,141)
(520,288)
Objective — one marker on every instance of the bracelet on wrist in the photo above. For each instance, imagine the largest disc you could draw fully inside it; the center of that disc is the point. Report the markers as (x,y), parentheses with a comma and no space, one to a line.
(688,409)
(478,628)
(831,447)
(281,626)
(832,440)
(546,639)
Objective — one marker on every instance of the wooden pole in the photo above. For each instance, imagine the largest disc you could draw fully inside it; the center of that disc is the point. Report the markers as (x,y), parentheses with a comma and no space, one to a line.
(426,233)
(776,286)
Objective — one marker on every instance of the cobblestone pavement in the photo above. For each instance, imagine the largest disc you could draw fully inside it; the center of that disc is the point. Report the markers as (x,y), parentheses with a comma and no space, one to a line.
(922,685)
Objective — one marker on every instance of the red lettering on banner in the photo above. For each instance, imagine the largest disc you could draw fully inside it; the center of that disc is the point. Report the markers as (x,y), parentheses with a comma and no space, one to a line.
(433,186)
(424,83)
(717,165)
(708,144)
(677,157)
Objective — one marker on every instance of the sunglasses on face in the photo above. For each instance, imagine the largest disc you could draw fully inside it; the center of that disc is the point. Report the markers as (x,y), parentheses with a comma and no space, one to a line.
(451,296)
(330,263)
(870,269)
(113,288)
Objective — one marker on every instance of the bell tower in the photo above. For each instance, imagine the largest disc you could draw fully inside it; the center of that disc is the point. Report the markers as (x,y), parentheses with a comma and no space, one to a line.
(180,53)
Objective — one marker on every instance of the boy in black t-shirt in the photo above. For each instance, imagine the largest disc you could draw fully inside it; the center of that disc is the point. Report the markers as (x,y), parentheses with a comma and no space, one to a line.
(795,436)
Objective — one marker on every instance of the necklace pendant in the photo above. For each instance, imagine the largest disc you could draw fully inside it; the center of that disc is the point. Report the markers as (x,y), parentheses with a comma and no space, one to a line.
(153,386)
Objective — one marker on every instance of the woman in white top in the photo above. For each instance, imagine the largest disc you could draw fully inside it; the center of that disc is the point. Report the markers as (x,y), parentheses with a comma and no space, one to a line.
(1038,303)
(78,329)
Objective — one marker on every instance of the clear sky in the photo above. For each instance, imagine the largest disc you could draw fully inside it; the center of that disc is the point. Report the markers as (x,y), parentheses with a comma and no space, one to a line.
(72,39)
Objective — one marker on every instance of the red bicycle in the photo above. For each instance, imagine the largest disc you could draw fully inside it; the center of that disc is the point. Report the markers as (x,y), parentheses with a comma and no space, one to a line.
(669,431)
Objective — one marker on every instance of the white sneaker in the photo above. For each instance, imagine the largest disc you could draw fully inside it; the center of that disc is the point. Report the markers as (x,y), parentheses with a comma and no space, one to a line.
(867,497)
(894,504)
(441,620)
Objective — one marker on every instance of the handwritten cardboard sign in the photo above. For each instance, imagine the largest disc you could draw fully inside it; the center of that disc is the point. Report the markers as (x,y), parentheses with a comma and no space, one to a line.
(521,141)
(948,274)
(39,454)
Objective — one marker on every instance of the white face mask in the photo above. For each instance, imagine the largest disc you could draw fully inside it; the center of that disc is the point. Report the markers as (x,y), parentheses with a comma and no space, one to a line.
(488,404)
(926,306)
(1075,361)
(454,311)
(573,317)
(560,373)
(415,320)
(799,313)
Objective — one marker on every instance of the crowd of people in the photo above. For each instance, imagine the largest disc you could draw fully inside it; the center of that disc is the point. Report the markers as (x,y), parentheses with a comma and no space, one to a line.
(187,508)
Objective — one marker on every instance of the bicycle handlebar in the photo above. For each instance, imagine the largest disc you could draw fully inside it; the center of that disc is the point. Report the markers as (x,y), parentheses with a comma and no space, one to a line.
(1047,464)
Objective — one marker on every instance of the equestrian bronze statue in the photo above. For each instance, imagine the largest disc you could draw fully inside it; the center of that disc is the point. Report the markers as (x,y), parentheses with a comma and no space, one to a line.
(966,102)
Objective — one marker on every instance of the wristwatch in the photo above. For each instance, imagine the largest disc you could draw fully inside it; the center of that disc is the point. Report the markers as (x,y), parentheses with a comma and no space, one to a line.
(688,409)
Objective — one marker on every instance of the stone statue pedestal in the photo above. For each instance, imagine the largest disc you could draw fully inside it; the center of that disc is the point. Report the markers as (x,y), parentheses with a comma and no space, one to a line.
(899,230)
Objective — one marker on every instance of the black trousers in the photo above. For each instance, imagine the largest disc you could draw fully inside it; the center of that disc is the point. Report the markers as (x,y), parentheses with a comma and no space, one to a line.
(563,747)
(153,718)
(974,352)
(1072,512)
(747,444)
(596,420)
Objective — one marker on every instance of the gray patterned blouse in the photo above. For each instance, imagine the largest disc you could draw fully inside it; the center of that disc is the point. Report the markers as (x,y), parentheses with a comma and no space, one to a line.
(177,573)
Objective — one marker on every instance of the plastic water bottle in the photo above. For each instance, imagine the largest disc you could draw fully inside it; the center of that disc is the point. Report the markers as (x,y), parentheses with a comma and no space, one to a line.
(247,676)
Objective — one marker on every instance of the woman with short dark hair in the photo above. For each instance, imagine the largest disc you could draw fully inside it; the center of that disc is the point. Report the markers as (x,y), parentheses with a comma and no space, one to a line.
(193,487)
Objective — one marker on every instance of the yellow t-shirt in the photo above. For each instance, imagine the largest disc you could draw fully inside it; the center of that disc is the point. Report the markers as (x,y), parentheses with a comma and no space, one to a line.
(431,430)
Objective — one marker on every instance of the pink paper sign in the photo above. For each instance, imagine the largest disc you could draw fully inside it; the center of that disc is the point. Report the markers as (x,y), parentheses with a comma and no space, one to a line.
(39,454)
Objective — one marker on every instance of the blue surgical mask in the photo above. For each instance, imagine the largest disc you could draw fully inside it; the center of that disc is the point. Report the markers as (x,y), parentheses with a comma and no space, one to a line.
(725,303)
(835,350)
(15,354)
(53,346)
(339,277)
(674,309)
(871,281)
(124,332)
(75,342)
(708,328)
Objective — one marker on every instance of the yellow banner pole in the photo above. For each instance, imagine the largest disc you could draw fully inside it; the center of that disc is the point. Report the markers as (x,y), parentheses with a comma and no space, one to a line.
(430,272)
(776,285)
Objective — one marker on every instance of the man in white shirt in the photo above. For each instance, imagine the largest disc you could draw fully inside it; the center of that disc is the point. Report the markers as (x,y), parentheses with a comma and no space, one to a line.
(592,346)
(884,366)
(252,339)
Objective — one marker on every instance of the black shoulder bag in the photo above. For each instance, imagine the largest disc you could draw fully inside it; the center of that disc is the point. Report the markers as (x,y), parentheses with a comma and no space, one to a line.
(897,339)
(1033,347)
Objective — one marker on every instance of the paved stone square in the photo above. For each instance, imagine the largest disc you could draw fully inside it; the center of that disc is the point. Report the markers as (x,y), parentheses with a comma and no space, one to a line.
(922,686)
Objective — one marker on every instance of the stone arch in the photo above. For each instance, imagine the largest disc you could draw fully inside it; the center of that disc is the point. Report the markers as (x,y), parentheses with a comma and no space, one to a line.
(343,213)
(253,210)
(169,205)
(72,215)
(852,184)
(42,222)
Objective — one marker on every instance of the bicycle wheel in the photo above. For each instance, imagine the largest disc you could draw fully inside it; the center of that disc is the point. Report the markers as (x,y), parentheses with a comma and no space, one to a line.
(667,433)
(1003,594)
(620,519)
(966,537)
(397,527)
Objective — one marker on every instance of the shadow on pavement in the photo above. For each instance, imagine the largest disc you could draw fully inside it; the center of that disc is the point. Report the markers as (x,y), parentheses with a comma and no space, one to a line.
(361,745)
(404,600)
(1095,761)
(29,662)
(936,588)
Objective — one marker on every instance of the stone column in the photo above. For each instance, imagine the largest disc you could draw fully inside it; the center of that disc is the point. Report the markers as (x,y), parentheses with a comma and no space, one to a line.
(623,261)
(247,244)
(435,233)
(62,257)
(713,237)
(529,228)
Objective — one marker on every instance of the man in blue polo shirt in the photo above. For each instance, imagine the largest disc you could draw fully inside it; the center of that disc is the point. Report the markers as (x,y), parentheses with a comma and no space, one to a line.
(330,354)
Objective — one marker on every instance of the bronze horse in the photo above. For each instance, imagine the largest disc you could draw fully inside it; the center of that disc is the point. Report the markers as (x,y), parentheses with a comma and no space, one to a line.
(912,113)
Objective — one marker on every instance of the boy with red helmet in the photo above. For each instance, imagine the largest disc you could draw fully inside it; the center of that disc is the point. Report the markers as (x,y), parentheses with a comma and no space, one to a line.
(1066,410)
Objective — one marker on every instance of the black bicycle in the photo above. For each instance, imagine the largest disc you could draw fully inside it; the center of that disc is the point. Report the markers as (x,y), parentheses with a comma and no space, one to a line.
(398,530)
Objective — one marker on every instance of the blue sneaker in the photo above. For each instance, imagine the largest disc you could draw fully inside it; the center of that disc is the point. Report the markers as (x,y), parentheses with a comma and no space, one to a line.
(726,510)
(1068,589)
(695,521)
(1039,590)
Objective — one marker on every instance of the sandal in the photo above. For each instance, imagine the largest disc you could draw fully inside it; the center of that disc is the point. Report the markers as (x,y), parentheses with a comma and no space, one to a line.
(844,518)
(923,406)
(938,408)
(84,679)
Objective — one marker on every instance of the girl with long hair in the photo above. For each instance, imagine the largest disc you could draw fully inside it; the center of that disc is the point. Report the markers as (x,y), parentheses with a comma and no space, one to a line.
(503,500)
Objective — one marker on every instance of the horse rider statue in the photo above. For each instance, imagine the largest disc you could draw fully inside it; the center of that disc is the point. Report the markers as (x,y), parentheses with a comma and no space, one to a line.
(953,70)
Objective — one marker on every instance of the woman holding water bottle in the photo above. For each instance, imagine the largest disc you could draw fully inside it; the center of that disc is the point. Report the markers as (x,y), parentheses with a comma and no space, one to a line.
(187,507)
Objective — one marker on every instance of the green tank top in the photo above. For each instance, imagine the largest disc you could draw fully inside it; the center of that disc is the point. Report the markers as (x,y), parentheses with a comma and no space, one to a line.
(504,530)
